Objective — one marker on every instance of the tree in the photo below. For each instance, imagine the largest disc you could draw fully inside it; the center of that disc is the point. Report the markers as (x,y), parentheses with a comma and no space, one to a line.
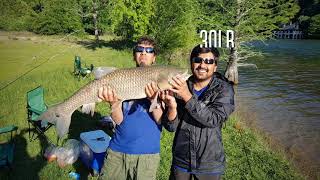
(15,15)
(175,24)
(314,29)
(131,19)
(307,17)
(94,15)
(58,17)
(251,20)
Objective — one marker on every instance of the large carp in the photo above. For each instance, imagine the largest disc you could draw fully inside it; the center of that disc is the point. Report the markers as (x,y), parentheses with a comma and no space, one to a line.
(128,84)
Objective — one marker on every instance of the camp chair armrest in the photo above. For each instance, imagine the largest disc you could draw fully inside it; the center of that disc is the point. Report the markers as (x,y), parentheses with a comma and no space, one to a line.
(8,129)
(35,110)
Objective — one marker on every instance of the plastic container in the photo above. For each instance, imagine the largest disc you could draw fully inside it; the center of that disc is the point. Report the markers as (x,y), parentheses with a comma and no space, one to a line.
(93,149)
(74,175)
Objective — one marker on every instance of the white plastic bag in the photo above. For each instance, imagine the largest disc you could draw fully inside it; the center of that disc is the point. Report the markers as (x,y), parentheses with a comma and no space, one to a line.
(69,153)
(50,153)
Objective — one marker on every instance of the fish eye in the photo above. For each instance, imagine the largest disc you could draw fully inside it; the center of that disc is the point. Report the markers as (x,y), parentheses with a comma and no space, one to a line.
(57,115)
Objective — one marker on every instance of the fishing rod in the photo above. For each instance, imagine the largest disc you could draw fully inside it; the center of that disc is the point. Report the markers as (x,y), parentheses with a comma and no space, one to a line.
(28,71)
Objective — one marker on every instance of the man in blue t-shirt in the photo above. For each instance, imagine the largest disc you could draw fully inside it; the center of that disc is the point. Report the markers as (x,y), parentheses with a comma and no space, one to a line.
(135,146)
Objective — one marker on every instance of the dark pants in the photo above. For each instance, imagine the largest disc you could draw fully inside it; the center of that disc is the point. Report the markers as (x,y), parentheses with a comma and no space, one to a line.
(176,174)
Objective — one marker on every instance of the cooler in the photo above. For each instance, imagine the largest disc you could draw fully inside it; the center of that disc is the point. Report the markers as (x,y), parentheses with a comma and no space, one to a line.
(93,149)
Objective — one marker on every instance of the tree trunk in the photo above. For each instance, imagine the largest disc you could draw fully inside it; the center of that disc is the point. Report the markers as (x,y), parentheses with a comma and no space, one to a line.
(231,72)
(95,20)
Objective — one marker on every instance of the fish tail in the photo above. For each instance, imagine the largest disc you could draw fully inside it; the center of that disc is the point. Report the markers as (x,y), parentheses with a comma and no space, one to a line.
(48,117)
(57,116)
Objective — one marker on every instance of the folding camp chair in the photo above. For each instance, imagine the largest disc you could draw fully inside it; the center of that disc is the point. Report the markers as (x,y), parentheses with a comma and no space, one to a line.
(79,70)
(35,107)
(7,147)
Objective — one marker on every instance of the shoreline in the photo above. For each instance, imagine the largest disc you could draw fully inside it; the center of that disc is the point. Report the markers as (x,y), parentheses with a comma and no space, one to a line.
(261,158)
(272,165)
(248,120)
(248,154)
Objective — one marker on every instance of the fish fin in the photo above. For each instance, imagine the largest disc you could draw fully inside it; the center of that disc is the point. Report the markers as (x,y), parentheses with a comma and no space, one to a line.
(88,108)
(62,125)
(99,72)
(185,75)
(154,103)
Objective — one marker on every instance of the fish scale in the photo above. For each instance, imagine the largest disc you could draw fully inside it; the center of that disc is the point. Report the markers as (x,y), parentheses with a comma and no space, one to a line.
(128,84)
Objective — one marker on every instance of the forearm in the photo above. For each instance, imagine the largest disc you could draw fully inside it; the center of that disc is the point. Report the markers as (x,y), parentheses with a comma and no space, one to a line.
(116,113)
(157,114)
(172,123)
(172,113)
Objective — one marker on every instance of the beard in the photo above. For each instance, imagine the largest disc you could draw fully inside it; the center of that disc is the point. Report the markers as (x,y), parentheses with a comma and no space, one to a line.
(141,64)
(202,74)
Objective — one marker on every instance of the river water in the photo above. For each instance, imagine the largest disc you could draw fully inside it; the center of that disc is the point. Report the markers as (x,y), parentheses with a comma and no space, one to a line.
(283,95)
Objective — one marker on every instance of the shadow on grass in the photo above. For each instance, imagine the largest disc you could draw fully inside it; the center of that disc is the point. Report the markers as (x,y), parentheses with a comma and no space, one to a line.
(24,166)
(82,123)
(28,167)
(116,44)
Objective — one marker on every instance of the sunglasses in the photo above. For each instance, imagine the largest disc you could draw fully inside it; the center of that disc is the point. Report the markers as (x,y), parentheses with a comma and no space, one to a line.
(140,49)
(200,60)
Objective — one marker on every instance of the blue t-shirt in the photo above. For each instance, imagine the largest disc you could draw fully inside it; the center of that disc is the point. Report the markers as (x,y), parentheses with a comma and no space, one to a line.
(199,93)
(138,133)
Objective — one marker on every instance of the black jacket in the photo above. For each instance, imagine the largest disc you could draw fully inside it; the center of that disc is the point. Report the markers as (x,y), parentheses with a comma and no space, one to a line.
(197,143)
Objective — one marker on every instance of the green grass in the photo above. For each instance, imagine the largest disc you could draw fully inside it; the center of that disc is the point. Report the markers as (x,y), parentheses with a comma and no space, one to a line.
(247,156)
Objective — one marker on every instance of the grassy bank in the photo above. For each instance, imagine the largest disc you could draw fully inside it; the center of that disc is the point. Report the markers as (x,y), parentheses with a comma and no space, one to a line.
(247,154)
(49,61)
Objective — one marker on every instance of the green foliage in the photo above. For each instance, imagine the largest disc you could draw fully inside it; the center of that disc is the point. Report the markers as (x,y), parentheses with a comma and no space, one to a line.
(251,19)
(86,12)
(314,29)
(15,15)
(86,15)
(131,19)
(309,9)
(19,56)
(58,17)
(175,25)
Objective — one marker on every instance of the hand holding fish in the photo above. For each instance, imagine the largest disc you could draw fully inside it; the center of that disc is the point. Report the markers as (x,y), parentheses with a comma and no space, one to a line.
(120,85)
(180,87)
(167,97)
(151,90)
(108,94)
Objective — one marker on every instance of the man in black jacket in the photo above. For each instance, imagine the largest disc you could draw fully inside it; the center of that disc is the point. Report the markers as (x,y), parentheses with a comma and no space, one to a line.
(204,102)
